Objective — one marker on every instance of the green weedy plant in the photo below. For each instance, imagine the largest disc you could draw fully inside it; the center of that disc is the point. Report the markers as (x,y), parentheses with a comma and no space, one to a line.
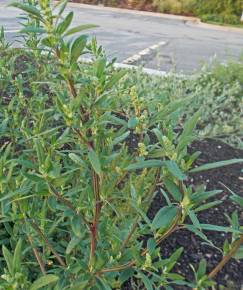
(80,163)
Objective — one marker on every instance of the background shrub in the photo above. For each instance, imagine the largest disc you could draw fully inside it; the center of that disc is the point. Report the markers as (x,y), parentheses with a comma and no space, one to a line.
(221,11)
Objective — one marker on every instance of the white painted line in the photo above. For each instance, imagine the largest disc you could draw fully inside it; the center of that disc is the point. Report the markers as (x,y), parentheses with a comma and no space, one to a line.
(138,56)
(12,30)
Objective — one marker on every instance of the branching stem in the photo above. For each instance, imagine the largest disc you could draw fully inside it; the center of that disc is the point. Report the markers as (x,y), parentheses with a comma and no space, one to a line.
(234,248)
(37,256)
(135,224)
(44,238)
(145,251)
(97,210)
(68,204)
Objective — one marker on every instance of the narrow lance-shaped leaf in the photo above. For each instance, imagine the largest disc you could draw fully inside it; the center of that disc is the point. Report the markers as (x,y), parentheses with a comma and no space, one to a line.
(216,165)
(78,47)
(8,259)
(186,136)
(174,169)
(239,254)
(32,29)
(144,164)
(146,281)
(75,158)
(17,256)
(95,162)
(40,151)
(115,78)
(236,198)
(216,228)
(44,281)
(79,29)
(30,9)
(207,205)
(164,217)
(202,268)
(173,189)
(63,26)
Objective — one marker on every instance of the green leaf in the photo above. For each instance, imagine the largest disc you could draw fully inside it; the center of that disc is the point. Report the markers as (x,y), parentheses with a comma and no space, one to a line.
(158,134)
(115,78)
(76,226)
(77,47)
(17,256)
(239,254)
(169,109)
(79,29)
(238,199)
(202,196)
(30,9)
(173,259)
(173,189)
(63,26)
(174,169)
(209,227)
(40,151)
(120,139)
(126,274)
(145,164)
(198,233)
(95,162)
(32,29)
(189,126)
(100,66)
(63,4)
(8,259)
(132,123)
(207,205)
(194,219)
(146,281)
(76,159)
(202,269)
(216,165)
(44,281)
(72,244)
(151,245)
(164,217)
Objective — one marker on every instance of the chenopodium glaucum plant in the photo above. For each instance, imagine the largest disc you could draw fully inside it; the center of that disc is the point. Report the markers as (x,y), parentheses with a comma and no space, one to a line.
(80,165)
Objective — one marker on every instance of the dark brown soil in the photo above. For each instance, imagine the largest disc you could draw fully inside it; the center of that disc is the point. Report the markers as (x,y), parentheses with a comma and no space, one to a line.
(231,276)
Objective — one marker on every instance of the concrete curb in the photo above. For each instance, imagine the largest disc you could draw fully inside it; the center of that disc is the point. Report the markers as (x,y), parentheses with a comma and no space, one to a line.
(147,71)
(185,19)
(134,12)
(219,27)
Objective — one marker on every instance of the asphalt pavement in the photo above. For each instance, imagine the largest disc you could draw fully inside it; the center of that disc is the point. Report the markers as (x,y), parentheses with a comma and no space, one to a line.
(141,38)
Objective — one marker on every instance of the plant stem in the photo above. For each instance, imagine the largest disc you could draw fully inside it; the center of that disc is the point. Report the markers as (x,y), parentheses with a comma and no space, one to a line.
(171,230)
(41,234)
(97,210)
(68,204)
(135,224)
(234,248)
(37,256)
(145,251)
(133,228)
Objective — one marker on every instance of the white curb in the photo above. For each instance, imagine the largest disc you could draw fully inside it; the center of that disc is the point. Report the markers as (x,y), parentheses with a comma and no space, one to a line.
(147,71)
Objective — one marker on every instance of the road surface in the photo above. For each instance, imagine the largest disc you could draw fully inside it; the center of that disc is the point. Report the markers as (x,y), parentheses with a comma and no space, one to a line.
(146,39)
